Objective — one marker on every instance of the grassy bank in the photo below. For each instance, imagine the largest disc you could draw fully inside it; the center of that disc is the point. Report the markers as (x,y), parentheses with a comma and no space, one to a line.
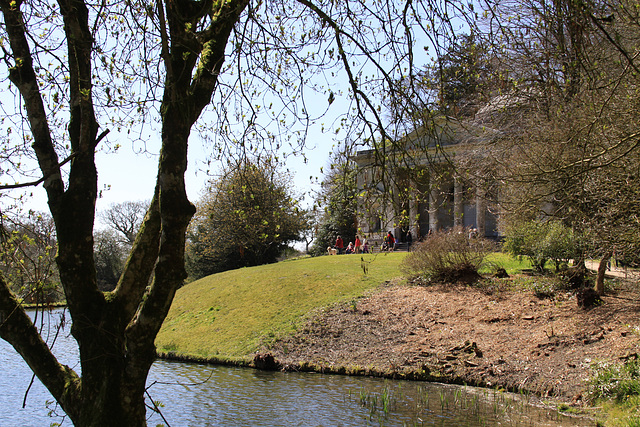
(227,316)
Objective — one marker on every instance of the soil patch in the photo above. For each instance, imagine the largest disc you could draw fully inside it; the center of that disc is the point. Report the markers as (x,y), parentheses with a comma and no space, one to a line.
(510,339)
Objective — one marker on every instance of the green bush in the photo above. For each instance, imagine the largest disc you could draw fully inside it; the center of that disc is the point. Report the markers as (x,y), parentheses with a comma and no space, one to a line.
(540,241)
(617,381)
(448,256)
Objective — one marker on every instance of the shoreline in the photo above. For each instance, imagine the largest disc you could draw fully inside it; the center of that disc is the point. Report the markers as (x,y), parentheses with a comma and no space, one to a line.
(499,339)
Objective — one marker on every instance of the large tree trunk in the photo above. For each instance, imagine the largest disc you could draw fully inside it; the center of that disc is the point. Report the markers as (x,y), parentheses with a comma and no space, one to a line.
(602,268)
(115,331)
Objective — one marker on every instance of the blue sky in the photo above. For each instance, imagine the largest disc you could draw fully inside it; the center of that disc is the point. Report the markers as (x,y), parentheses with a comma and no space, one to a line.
(131,176)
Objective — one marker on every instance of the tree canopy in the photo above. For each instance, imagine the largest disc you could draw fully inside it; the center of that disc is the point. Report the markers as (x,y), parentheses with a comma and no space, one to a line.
(568,147)
(339,205)
(246,217)
(125,219)
(88,76)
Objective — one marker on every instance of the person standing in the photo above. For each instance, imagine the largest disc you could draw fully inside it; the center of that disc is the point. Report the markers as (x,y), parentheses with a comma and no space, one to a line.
(339,245)
(391,240)
(409,240)
(358,244)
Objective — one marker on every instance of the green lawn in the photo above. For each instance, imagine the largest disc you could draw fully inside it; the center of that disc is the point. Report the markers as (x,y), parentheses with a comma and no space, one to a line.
(228,315)
(506,261)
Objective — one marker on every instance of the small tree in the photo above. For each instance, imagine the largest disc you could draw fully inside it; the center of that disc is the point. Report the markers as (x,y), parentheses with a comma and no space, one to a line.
(540,241)
(125,219)
(110,256)
(112,245)
(310,230)
(27,250)
(246,218)
(338,199)
(462,76)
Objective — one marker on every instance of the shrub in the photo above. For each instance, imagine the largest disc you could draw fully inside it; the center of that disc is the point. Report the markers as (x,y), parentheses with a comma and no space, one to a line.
(246,217)
(540,241)
(448,256)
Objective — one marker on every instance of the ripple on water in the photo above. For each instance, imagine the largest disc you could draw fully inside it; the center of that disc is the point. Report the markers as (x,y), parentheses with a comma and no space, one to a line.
(205,395)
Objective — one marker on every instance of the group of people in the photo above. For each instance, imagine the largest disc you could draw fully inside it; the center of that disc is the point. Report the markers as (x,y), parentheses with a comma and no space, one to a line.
(389,243)
(360,246)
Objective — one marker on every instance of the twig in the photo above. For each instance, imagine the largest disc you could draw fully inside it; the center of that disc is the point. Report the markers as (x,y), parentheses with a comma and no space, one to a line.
(39,181)
(156,409)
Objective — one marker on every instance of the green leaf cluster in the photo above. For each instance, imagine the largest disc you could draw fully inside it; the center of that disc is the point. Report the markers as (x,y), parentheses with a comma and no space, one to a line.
(247,217)
(540,241)
(338,199)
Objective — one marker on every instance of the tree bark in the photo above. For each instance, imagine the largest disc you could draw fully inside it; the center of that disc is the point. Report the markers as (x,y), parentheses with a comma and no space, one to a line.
(602,268)
(115,331)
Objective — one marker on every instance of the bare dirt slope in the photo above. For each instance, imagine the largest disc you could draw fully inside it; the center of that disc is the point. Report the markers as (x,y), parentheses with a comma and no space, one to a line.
(463,334)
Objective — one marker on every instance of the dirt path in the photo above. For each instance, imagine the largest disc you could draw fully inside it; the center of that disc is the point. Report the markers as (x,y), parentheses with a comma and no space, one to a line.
(462,334)
(613,271)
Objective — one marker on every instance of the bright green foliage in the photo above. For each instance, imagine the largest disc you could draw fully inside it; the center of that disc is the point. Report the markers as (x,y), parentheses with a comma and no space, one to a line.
(500,259)
(247,218)
(617,381)
(338,198)
(28,246)
(540,241)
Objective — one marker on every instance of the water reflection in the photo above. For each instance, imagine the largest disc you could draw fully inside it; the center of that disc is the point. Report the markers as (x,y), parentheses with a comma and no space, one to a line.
(244,397)
(205,395)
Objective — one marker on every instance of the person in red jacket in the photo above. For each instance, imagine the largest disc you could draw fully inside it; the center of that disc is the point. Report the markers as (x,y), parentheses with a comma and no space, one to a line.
(392,241)
(339,245)
(357,244)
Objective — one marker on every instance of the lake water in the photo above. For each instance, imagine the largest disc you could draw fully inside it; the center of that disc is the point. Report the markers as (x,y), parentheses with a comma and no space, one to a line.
(208,395)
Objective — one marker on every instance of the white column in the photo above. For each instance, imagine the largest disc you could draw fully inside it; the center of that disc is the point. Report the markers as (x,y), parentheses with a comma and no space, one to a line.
(481,209)
(434,202)
(458,202)
(413,216)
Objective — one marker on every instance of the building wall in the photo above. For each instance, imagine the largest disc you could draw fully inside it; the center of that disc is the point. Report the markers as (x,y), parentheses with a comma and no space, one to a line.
(441,200)
(441,207)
